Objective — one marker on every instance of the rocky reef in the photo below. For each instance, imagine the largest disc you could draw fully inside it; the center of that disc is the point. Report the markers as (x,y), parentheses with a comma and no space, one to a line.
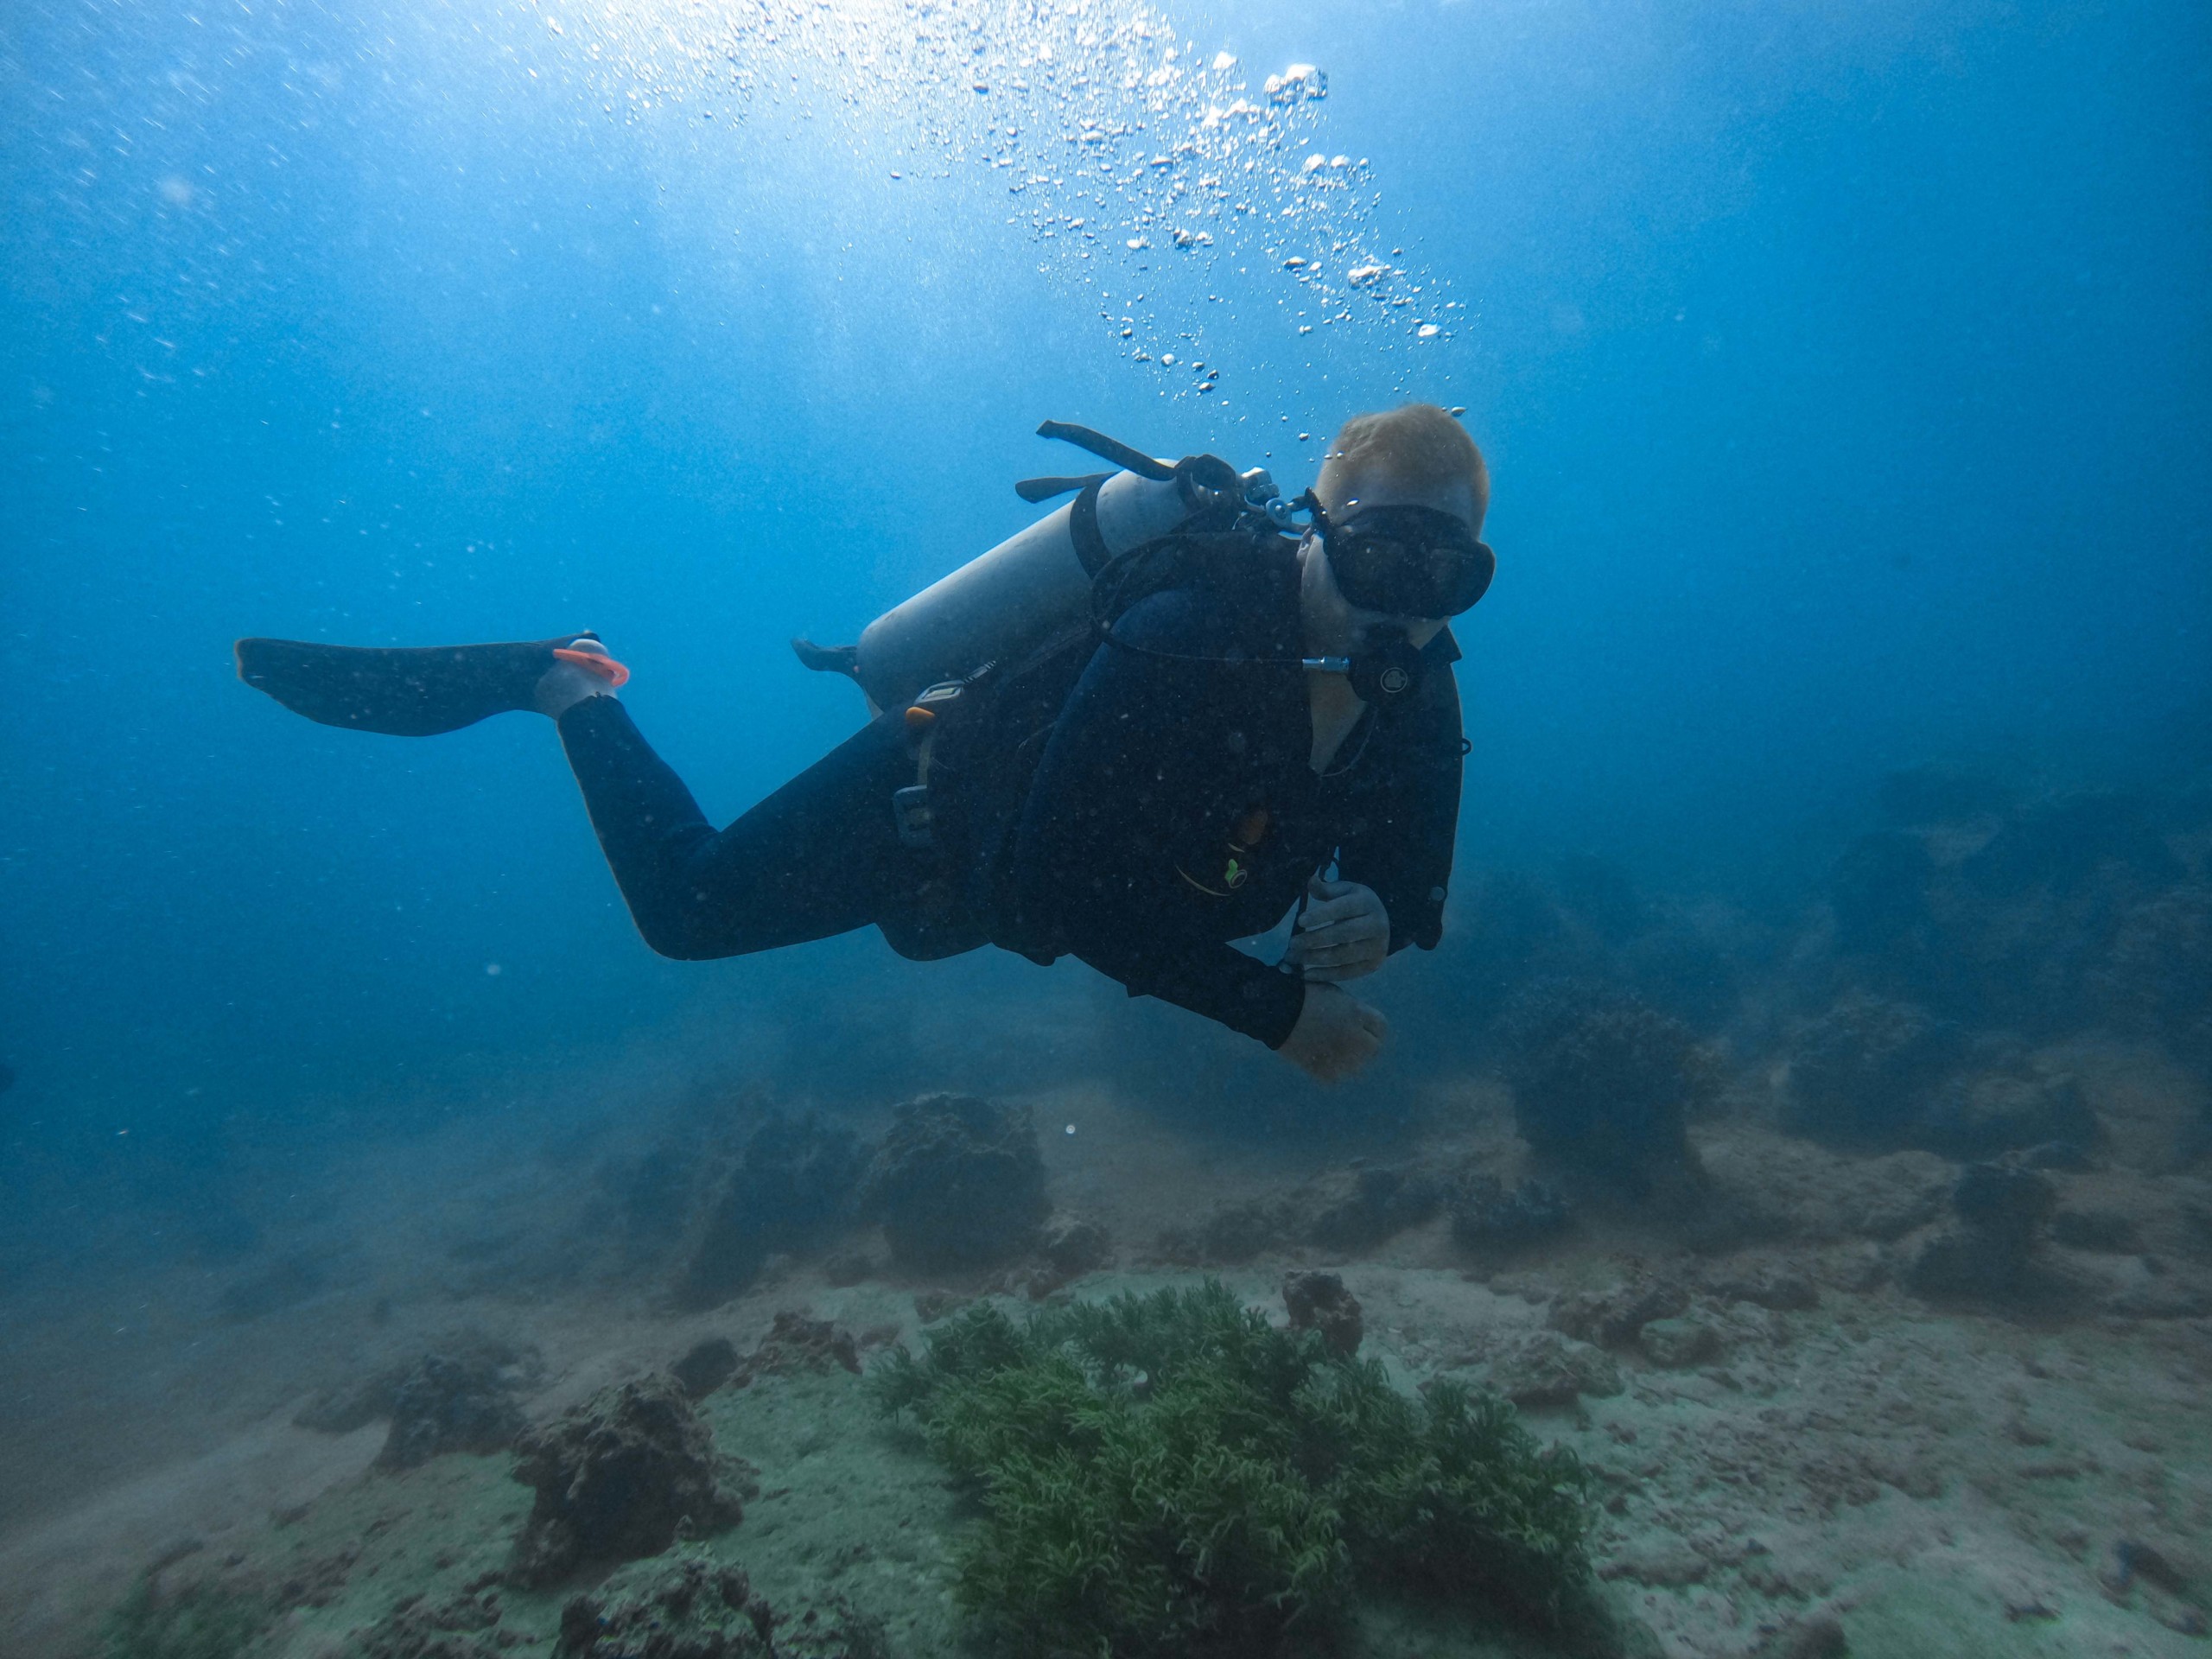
(622,1476)
(1990,1256)
(791,1190)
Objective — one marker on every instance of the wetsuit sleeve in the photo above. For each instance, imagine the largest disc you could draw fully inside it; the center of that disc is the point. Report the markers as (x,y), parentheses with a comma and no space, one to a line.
(1094,858)
(1403,833)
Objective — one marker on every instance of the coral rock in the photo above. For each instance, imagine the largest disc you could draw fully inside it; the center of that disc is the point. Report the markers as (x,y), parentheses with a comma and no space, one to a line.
(795,1342)
(1341,1210)
(1075,1246)
(1360,1206)
(1603,1083)
(617,1477)
(1988,1259)
(706,1365)
(1612,1318)
(691,1607)
(958,1181)
(1484,1215)
(1318,1301)
(794,1187)
(452,1403)
(1679,1344)
(1547,1368)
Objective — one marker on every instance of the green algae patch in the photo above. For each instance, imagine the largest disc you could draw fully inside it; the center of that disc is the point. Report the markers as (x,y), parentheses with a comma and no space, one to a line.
(204,1621)
(1169,1474)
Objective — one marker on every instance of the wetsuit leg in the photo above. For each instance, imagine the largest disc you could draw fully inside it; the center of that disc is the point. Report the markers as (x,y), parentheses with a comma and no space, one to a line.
(821,856)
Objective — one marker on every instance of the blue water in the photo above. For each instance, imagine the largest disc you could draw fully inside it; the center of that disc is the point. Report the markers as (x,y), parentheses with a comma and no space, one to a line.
(1843,372)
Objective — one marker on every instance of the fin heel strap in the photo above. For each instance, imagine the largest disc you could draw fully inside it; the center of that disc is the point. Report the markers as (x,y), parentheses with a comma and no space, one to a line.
(595,662)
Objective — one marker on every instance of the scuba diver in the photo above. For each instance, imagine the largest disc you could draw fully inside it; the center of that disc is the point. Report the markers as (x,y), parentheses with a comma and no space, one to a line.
(1148,725)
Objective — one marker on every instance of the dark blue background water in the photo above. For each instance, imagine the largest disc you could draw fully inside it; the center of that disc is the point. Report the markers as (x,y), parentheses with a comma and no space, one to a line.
(1843,371)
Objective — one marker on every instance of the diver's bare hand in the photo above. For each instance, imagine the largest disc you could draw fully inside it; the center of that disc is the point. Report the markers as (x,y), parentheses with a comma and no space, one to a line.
(1336,1034)
(1345,933)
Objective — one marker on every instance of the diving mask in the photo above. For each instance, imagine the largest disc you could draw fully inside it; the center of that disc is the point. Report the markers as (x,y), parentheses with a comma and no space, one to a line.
(1404,559)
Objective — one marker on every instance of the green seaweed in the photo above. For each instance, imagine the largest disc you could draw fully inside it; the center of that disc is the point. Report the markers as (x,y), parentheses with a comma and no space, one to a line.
(1169,1474)
(202,1622)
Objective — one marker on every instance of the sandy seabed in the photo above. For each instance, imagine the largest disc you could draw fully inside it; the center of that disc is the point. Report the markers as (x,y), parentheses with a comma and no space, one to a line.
(1813,1453)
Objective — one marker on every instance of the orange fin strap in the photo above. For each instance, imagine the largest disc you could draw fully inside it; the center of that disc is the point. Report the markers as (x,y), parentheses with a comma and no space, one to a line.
(606,667)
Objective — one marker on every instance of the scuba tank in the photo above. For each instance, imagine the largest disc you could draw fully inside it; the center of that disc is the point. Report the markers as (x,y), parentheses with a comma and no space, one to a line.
(1035,587)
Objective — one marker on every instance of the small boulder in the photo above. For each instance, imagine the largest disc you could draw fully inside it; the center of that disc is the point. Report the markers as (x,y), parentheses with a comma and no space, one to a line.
(619,1476)
(1612,1318)
(1318,1301)
(1988,1258)
(795,1343)
(451,1403)
(1361,1206)
(1677,1344)
(706,1365)
(1485,1216)
(957,1182)
(1073,1246)
(790,1192)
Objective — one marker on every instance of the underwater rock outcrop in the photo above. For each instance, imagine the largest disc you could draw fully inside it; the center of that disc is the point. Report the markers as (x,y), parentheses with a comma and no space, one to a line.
(1613,1319)
(1343,1210)
(2002,1212)
(449,1404)
(1862,1073)
(705,1366)
(1486,1217)
(1549,1369)
(1318,1301)
(957,1182)
(620,1476)
(795,1343)
(1875,1072)
(692,1606)
(461,1396)
(794,1186)
(1604,1084)
(2043,917)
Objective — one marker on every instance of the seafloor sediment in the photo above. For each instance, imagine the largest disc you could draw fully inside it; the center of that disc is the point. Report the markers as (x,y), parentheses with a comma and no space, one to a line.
(1799,1441)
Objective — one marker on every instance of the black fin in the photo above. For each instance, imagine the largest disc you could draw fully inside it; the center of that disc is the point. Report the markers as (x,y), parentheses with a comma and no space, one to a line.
(828,659)
(1034,490)
(1106,449)
(402,692)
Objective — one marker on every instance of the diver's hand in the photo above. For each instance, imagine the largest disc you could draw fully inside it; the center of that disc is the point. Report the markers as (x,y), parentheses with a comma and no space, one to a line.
(1343,934)
(1336,1034)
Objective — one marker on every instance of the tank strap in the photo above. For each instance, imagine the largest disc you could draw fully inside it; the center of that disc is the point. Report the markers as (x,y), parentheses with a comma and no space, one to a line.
(1091,548)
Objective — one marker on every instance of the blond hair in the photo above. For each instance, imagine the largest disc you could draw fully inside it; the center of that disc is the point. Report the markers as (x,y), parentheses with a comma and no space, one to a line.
(1415,446)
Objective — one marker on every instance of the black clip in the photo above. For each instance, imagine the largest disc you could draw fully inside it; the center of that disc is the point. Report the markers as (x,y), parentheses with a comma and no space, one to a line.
(909,810)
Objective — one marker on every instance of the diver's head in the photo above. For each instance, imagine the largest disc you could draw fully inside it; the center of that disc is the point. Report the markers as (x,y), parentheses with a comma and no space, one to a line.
(1394,550)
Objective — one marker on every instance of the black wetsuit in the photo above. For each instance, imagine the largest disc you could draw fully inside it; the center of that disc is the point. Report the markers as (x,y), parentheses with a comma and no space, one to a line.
(1173,808)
